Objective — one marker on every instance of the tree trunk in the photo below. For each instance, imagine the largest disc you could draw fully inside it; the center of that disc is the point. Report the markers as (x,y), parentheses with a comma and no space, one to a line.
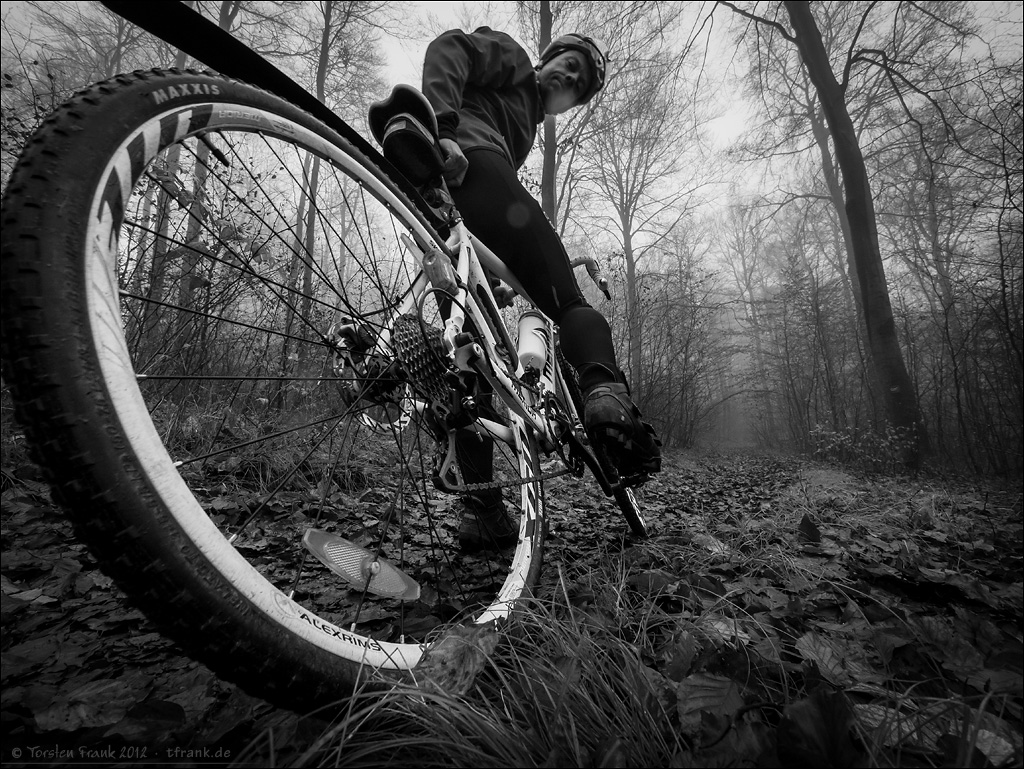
(900,399)
(306,306)
(633,314)
(835,191)
(301,273)
(547,177)
(190,278)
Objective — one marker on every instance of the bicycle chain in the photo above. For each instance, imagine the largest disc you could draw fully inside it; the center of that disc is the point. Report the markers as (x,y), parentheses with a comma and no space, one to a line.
(496,485)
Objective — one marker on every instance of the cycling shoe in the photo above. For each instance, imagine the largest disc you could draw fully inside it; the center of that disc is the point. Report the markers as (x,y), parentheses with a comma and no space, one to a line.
(613,420)
(486,526)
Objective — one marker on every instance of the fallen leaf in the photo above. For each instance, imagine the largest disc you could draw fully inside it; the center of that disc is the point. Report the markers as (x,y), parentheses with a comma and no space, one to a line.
(892,727)
(680,657)
(28,595)
(710,544)
(997,682)
(652,582)
(816,732)
(10,605)
(98,703)
(704,693)
(20,659)
(808,531)
(745,744)
(814,648)
(724,630)
(150,722)
(951,649)
(996,749)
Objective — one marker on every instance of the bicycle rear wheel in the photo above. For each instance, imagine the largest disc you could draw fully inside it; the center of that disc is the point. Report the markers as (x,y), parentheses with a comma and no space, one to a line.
(211,333)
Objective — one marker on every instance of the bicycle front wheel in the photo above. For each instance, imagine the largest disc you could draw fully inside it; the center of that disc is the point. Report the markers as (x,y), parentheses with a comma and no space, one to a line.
(219,343)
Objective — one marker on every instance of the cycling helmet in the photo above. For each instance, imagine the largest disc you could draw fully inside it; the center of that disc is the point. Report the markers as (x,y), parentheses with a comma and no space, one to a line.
(592,49)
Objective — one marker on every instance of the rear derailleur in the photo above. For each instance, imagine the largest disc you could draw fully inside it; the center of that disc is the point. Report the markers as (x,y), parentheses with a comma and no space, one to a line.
(363,374)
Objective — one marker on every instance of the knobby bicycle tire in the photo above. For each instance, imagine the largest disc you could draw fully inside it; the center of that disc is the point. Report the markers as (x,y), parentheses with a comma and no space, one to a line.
(183,257)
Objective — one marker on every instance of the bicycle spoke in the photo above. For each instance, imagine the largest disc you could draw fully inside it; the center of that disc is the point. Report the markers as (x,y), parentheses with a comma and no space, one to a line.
(241,250)
(219,359)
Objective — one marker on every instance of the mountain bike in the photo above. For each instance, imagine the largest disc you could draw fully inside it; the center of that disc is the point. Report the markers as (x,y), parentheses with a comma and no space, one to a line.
(249,351)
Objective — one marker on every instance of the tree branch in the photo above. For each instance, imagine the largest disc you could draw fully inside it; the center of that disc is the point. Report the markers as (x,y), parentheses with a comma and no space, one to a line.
(850,56)
(759,19)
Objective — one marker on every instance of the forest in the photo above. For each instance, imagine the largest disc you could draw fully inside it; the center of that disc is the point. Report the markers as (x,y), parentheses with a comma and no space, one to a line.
(837,274)
(811,218)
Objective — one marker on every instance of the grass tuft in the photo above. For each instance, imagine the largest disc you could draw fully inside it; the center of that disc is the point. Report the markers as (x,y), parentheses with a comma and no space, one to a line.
(832,621)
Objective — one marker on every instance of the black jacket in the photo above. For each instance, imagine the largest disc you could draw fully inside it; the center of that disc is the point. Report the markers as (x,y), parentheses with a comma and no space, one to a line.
(484,90)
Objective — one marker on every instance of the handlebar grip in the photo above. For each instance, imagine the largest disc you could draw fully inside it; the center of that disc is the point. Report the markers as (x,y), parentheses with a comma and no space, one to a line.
(594,271)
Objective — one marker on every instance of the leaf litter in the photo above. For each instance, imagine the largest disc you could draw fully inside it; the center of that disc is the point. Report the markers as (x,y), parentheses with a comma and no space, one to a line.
(859,620)
(786,612)
(82,669)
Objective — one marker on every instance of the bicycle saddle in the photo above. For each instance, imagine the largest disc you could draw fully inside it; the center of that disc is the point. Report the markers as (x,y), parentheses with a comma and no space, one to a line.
(405,127)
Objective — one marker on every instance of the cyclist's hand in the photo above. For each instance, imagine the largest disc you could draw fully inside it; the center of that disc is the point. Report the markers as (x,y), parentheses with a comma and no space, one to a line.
(455,163)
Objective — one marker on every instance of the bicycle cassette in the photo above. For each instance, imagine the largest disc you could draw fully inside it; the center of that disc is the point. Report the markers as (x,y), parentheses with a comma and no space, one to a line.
(421,352)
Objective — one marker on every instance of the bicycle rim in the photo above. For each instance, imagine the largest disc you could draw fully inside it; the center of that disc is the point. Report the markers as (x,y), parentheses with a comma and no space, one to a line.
(228,243)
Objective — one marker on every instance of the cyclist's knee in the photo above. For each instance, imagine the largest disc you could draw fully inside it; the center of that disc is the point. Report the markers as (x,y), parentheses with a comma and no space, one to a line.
(581,314)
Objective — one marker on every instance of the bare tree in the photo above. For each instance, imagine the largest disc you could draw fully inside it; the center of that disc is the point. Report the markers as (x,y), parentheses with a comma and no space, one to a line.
(951,207)
(336,45)
(634,158)
(883,342)
(632,32)
(86,42)
(54,49)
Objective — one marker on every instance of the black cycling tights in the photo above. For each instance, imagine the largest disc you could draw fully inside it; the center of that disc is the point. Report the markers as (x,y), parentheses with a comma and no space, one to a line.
(499,210)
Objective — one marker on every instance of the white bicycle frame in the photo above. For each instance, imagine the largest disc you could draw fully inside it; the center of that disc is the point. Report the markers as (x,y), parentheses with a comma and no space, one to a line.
(474,301)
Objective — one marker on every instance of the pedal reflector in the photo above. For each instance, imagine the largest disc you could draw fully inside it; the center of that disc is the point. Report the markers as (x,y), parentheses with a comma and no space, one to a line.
(359,567)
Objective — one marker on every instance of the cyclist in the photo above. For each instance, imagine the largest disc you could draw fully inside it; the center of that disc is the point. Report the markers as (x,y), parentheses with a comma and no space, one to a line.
(489,97)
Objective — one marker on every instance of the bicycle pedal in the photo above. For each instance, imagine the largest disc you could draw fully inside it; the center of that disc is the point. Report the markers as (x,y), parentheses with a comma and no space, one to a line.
(359,567)
(633,481)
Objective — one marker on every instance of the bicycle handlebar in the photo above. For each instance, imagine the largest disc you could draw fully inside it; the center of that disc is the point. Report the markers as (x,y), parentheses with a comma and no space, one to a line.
(594,271)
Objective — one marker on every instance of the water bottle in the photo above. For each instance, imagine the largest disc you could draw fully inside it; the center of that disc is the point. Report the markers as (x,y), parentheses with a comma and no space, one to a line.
(533,340)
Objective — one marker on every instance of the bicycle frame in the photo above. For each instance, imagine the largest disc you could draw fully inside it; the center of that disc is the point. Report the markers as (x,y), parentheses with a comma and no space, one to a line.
(363,460)
(180,26)
(474,304)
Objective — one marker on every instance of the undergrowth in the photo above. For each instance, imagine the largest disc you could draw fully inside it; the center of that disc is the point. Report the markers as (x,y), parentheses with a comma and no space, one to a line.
(782,613)
(836,623)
